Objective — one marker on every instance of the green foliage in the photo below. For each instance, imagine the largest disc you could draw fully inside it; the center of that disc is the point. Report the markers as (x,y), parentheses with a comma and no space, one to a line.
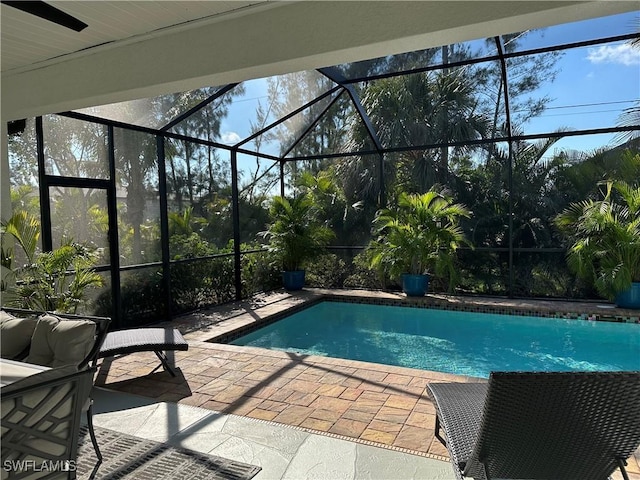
(24,230)
(326,271)
(606,238)
(350,219)
(51,281)
(182,224)
(142,298)
(296,233)
(362,275)
(261,271)
(202,281)
(420,235)
(25,198)
(581,179)
(189,246)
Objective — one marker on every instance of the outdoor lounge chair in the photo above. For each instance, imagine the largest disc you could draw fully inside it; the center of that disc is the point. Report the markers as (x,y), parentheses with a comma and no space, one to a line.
(41,423)
(87,360)
(157,340)
(540,425)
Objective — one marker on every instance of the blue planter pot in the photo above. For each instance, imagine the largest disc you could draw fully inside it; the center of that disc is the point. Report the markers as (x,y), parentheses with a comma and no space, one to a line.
(415,285)
(630,298)
(293,280)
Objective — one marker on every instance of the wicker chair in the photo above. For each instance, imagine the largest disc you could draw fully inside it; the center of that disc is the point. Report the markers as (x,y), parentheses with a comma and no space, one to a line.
(41,423)
(132,340)
(540,425)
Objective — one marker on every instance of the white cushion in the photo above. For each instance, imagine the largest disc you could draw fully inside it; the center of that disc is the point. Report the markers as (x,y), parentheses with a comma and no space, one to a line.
(15,334)
(56,342)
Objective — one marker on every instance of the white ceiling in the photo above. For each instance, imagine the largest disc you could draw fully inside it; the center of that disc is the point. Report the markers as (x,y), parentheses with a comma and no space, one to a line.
(136,49)
(28,40)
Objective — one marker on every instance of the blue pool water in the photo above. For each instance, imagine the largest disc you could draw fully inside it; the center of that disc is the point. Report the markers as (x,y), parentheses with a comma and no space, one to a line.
(453,342)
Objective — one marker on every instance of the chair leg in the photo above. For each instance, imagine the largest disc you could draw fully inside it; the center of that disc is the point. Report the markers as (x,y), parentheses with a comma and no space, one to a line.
(437,432)
(165,362)
(92,434)
(621,464)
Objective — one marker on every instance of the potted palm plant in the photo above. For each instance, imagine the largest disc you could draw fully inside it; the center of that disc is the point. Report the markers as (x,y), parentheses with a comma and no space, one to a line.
(295,235)
(605,236)
(418,238)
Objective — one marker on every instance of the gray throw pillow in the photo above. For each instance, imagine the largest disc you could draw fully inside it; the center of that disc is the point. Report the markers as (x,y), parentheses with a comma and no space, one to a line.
(57,342)
(15,334)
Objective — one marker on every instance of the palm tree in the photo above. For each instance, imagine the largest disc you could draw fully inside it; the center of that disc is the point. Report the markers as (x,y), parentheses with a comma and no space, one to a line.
(295,233)
(48,281)
(21,229)
(182,223)
(606,238)
(419,236)
(423,109)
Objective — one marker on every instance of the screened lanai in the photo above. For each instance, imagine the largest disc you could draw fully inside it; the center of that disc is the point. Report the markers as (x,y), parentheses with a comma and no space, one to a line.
(173,191)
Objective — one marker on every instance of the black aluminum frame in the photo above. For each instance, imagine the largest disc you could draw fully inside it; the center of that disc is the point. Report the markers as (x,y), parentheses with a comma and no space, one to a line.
(343,86)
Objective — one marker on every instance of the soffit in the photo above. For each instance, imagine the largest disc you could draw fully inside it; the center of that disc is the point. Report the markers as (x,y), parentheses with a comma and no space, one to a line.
(28,40)
(255,39)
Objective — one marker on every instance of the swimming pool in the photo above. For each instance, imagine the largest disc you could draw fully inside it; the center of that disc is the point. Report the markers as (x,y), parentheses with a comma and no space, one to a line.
(461,343)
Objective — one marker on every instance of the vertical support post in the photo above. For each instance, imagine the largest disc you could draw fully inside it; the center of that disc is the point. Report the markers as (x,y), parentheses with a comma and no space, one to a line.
(235,202)
(164,225)
(443,168)
(6,210)
(282,177)
(510,180)
(503,67)
(43,184)
(382,198)
(114,245)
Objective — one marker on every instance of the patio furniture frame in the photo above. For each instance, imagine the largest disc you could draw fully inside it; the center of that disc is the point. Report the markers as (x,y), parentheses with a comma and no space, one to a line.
(540,425)
(41,422)
(90,361)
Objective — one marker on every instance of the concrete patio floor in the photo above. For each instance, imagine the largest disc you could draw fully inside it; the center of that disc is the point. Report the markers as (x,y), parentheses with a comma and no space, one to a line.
(370,404)
(282,451)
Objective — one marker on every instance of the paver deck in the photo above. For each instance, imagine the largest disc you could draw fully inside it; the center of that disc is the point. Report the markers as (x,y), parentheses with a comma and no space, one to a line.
(370,403)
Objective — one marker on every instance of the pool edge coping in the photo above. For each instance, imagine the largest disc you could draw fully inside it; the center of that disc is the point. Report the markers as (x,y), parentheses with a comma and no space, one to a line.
(248,318)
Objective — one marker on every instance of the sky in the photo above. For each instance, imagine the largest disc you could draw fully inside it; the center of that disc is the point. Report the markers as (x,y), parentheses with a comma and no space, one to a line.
(593,86)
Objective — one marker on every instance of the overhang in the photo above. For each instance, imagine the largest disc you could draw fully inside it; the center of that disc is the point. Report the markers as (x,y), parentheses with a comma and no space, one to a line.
(265,39)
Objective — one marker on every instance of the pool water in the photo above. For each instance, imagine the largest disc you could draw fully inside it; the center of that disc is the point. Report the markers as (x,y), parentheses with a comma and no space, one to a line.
(461,343)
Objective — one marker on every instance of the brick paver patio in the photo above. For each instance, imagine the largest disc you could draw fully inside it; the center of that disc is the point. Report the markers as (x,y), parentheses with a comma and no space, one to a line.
(370,403)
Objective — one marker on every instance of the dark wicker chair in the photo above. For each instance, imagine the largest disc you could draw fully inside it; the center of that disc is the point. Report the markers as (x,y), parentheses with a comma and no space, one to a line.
(157,340)
(540,425)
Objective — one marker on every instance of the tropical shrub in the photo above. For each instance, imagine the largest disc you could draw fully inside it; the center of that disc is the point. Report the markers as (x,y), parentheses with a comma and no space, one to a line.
(48,281)
(326,271)
(419,235)
(605,236)
(363,275)
(142,298)
(295,233)
(261,271)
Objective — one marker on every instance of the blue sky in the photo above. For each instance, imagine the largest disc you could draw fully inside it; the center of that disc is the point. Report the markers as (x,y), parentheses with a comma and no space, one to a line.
(594,84)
